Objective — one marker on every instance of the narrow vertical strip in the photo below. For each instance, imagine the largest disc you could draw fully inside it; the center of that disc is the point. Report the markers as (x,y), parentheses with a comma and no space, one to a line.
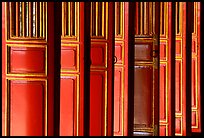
(97,16)
(145,18)
(63,17)
(34,20)
(40,19)
(17,19)
(141,18)
(150,17)
(27,16)
(103,18)
(10,19)
(68,19)
(30,19)
(24,18)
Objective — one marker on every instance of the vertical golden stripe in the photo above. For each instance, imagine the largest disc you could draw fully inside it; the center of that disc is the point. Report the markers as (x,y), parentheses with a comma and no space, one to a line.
(116,18)
(10,19)
(103,13)
(40,19)
(44,18)
(161,12)
(97,17)
(153,21)
(71,18)
(176,14)
(30,19)
(150,17)
(69,22)
(141,18)
(23,19)
(63,17)
(145,18)
(91,21)
(17,19)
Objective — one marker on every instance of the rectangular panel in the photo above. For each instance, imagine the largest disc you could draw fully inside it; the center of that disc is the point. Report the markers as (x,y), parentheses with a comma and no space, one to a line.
(27,60)
(163,94)
(119,50)
(70,58)
(163,50)
(27,108)
(178,48)
(99,55)
(178,86)
(118,82)
(143,52)
(68,99)
(193,83)
(162,130)
(178,128)
(143,97)
(97,102)
(194,117)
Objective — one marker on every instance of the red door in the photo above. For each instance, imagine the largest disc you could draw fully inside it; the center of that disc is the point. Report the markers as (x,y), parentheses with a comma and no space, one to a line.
(28,39)
(196,104)
(74,46)
(101,70)
(146,69)
(167,69)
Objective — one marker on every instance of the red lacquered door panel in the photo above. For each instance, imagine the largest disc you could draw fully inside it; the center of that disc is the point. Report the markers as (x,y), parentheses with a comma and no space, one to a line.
(122,37)
(180,72)
(101,72)
(74,44)
(167,61)
(146,69)
(28,68)
(196,99)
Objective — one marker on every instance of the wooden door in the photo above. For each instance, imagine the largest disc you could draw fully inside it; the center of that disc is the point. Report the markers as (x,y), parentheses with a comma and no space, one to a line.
(101,70)
(146,69)
(167,70)
(122,37)
(28,51)
(75,47)
(196,97)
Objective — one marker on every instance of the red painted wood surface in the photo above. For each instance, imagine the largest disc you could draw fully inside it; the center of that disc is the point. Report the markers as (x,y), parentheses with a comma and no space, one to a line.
(74,45)
(27,77)
(146,100)
(180,103)
(121,69)
(101,71)
(166,70)
(196,98)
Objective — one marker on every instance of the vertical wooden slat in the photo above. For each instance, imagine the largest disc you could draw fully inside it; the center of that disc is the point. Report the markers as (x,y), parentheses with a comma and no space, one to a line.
(30,19)
(40,19)
(150,17)
(68,21)
(63,18)
(97,16)
(36,18)
(24,19)
(145,17)
(17,19)
(10,19)
(141,18)
(27,18)
(137,18)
